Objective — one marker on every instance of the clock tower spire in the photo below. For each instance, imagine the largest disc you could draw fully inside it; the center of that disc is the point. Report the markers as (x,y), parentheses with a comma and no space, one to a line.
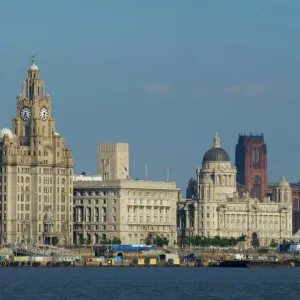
(33,108)
(38,169)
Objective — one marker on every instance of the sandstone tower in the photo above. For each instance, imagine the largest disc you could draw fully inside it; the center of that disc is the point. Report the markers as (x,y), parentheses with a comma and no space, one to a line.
(113,161)
(36,171)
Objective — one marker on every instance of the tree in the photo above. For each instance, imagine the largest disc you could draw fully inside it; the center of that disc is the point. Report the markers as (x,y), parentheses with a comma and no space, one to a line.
(148,241)
(116,241)
(255,240)
(157,241)
(82,240)
(211,241)
(103,240)
(273,243)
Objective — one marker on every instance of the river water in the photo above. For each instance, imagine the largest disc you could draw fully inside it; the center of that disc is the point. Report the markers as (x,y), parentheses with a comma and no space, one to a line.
(149,283)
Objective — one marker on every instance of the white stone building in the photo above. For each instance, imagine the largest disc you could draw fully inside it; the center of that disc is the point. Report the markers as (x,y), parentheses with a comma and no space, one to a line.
(128,209)
(220,211)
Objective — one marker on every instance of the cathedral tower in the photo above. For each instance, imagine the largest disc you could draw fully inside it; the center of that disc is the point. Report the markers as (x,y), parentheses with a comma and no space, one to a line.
(252,165)
(36,171)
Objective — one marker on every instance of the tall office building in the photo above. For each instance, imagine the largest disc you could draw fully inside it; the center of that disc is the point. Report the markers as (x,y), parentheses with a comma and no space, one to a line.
(252,164)
(36,172)
(113,161)
(131,210)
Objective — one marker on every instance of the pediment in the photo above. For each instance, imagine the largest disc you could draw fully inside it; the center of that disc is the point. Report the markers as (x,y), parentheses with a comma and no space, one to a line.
(49,147)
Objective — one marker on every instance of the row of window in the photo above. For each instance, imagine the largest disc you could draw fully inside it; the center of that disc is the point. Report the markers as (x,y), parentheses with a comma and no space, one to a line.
(89,219)
(93,201)
(96,210)
(48,189)
(48,180)
(47,171)
(116,193)
(161,219)
(134,210)
(95,227)
(96,193)
(148,202)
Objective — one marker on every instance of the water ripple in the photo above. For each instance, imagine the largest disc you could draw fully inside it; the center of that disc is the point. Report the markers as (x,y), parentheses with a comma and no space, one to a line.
(143,283)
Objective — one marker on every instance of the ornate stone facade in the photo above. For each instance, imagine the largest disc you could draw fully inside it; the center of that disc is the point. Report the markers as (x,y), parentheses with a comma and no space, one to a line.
(296,203)
(36,172)
(130,210)
(220,211)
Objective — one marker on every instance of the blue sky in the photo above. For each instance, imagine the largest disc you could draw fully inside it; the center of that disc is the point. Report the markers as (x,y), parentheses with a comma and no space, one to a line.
(163,76)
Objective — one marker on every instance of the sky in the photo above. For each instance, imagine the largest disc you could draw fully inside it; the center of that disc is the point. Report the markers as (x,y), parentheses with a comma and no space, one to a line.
(163,76)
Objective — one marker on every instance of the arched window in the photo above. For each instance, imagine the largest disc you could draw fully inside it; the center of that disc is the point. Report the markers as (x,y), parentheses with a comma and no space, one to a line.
(256,157)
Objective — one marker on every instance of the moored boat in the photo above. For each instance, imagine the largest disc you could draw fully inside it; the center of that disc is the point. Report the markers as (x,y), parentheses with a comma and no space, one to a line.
(255,264)
(233,264)
(270,264)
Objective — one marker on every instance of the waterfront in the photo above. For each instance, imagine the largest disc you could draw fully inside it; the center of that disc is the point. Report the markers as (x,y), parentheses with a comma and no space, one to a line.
(141,283)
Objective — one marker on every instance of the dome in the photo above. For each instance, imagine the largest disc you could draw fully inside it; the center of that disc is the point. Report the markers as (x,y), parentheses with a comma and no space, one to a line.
(34,67)
(5,131)
(283,182)
(216,154)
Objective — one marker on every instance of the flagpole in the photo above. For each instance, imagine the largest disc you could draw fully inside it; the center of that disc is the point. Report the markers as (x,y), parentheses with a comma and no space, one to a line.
(168,174)
(146,172)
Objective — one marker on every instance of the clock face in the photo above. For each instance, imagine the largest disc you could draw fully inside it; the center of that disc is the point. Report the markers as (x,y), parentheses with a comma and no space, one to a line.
(25,113)
(44,113)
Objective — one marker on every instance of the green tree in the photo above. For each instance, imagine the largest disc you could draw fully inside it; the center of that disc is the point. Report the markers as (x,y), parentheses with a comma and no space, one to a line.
(255,240)
(82,240)
(148,241)
(208,241)
(273,243)
(116,241)
(103,240)
(160,241)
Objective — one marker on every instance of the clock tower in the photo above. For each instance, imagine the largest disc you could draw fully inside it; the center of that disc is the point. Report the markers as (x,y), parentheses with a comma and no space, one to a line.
(36,171)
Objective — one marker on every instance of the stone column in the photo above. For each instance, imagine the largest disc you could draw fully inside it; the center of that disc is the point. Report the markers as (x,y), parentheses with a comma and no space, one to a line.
(280,228)
(187,218)
(196,219)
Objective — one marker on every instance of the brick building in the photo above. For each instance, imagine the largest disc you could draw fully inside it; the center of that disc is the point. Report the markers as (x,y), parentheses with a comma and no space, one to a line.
(252,164)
